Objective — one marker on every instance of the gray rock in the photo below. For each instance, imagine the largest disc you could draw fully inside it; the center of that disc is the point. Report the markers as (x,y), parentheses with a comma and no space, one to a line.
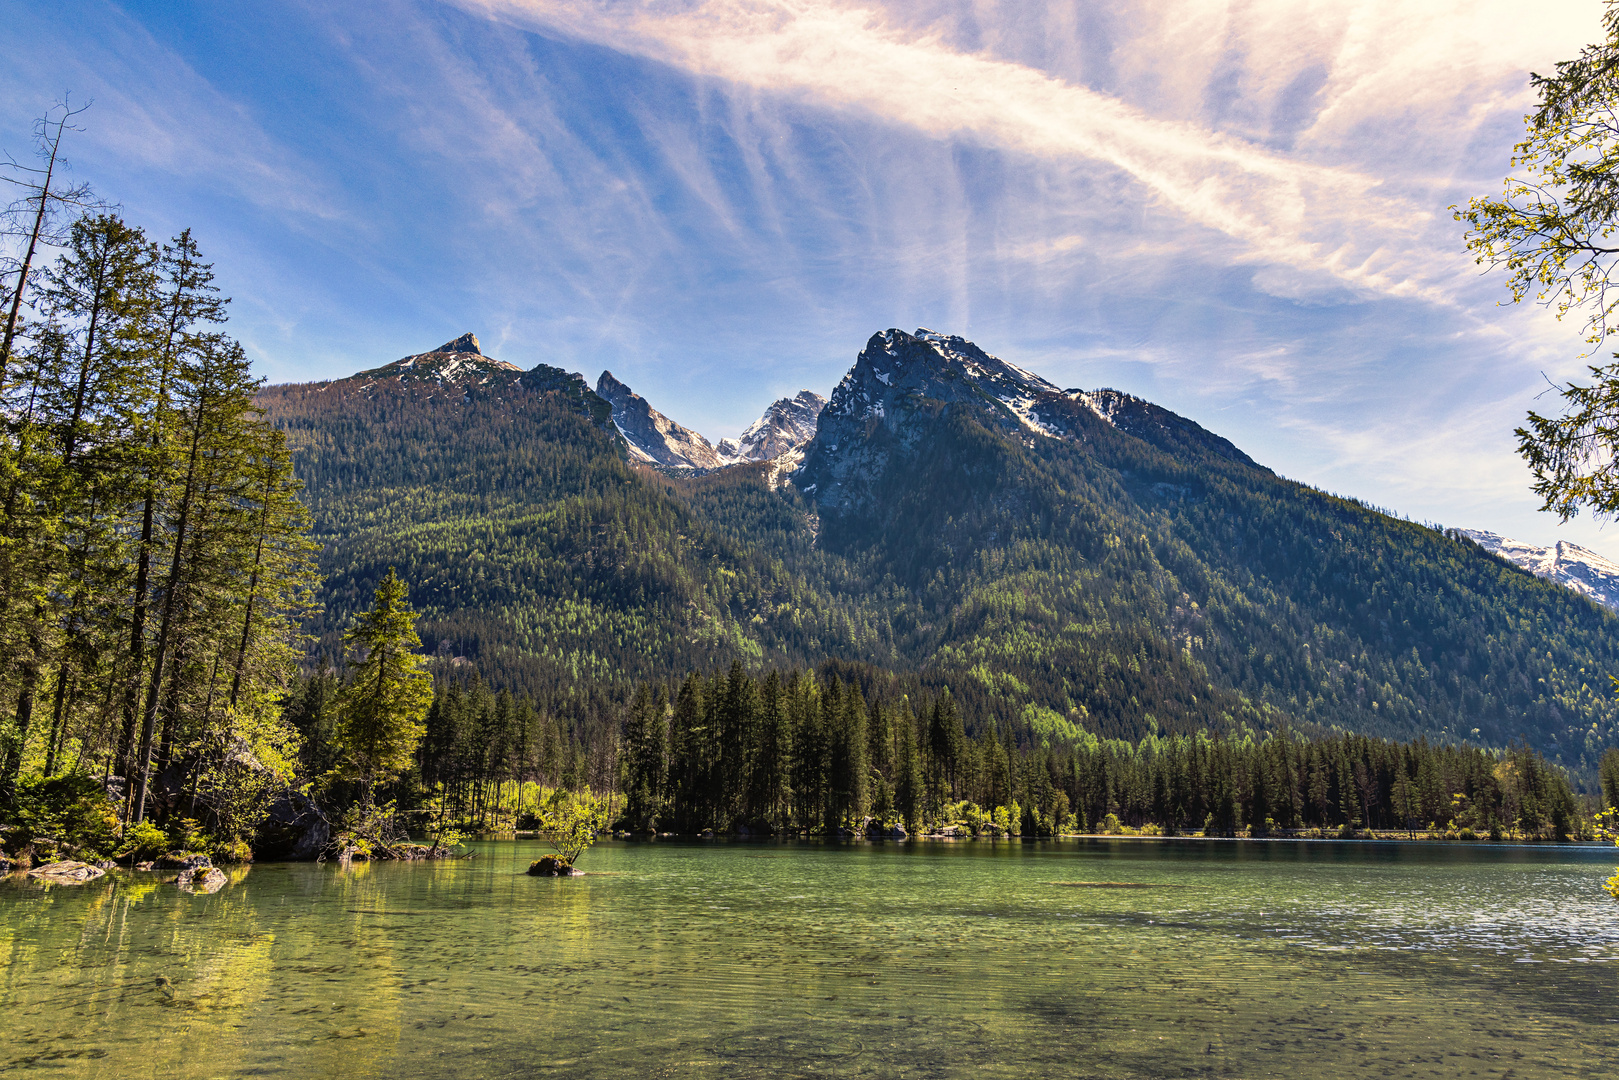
(651,435)
(293,829)
(66,873)
(205,879)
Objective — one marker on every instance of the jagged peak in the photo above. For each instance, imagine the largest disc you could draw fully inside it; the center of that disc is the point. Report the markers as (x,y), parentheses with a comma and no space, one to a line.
(458,361)
(650,435)
(466,343)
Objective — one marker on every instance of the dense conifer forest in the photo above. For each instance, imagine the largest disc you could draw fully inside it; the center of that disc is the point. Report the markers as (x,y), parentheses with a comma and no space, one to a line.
(846,751)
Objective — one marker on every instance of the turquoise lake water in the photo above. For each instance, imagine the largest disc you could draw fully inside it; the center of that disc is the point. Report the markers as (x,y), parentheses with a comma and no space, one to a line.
(982,959)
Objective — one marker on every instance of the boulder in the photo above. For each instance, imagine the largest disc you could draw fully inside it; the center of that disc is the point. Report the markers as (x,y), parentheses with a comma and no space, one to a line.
(67,873)
(294,828)
(708,834)
(203,879)
(552,866)
(147,865)
(183,860)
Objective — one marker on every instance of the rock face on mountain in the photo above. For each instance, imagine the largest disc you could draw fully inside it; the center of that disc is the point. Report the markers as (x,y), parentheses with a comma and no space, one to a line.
(902,383)
(460,362)
(652,436)
(1158,426)
(459,371)
(1581,569)
(784,429)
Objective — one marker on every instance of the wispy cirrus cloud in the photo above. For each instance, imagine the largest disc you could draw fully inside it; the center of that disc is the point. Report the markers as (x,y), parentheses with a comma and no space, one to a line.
(1333,220)
(1233,207)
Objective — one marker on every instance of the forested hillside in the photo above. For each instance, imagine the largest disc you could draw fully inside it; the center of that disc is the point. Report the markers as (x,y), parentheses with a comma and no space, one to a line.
(1059,558)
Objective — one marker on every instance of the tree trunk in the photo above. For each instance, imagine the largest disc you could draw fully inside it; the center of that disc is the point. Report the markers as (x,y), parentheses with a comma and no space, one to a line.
(28,261)
(56,718)
(149,713)
(25,717)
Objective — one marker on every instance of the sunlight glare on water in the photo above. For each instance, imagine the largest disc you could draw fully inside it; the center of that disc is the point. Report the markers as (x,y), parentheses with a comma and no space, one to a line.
(1067,958)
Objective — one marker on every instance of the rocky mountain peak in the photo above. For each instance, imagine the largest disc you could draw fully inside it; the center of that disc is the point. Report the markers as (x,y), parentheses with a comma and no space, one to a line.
(1593,576)
(459,362)
(466,343)
(784,428)
(885,408)
(652,436)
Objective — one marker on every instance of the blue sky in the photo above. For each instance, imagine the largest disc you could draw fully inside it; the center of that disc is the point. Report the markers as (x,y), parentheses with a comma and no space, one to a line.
(1237,210)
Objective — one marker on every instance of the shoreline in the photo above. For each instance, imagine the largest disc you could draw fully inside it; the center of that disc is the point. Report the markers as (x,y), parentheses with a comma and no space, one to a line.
(1372,838)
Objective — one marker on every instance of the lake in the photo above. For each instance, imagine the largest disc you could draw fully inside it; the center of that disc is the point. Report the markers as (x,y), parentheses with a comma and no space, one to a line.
(923,959)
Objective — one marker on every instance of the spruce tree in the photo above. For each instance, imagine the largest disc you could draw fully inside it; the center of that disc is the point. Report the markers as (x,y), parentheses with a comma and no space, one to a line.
(382,705)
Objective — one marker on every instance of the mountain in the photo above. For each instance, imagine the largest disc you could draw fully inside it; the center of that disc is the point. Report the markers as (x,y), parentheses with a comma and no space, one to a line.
(460,362)
(1056,558)
(652,436)
(531,542)
(779,436)
(1570,565)
(1115,555)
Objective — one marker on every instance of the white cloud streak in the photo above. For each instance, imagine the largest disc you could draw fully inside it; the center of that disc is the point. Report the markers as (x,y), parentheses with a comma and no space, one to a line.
(1328,220)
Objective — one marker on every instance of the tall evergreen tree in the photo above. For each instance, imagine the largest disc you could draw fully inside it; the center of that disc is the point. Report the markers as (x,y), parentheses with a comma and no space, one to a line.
(382,706)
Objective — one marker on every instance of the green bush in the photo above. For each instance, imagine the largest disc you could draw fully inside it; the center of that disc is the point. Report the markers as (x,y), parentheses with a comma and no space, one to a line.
(143,838)
(70,809)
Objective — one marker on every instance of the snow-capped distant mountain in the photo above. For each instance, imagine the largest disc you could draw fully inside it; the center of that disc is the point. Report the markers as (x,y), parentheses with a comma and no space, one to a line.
(652,436)
(1581,569)
(780,435)
(461,362)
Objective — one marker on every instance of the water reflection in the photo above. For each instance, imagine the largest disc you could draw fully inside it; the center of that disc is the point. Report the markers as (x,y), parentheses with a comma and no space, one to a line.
(812,960)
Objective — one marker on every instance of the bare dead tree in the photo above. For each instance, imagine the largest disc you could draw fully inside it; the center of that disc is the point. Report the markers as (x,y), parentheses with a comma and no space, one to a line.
(32,220)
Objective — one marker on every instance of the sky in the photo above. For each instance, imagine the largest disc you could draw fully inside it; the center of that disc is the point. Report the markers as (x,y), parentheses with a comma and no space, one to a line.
(1237,210)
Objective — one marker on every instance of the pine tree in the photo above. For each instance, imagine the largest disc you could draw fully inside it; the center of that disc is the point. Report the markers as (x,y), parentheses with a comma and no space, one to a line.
(385,700)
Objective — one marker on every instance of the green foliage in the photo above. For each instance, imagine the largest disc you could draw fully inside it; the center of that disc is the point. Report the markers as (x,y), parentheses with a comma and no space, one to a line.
(143,839)
(570,820)
(381,708)
(71,808)
(949,769)
(1552,230)
(153,563)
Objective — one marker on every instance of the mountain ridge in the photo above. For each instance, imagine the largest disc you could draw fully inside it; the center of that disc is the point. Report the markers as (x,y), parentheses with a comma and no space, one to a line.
(1081,557)
(1577,568)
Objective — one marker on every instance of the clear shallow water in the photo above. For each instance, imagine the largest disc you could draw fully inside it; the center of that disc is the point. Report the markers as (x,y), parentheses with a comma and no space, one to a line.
(912,960)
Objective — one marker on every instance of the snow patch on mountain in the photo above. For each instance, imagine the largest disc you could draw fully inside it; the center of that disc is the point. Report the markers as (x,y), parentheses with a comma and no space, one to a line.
(653,437)
(460,362)
(783,429)
(1593,576)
